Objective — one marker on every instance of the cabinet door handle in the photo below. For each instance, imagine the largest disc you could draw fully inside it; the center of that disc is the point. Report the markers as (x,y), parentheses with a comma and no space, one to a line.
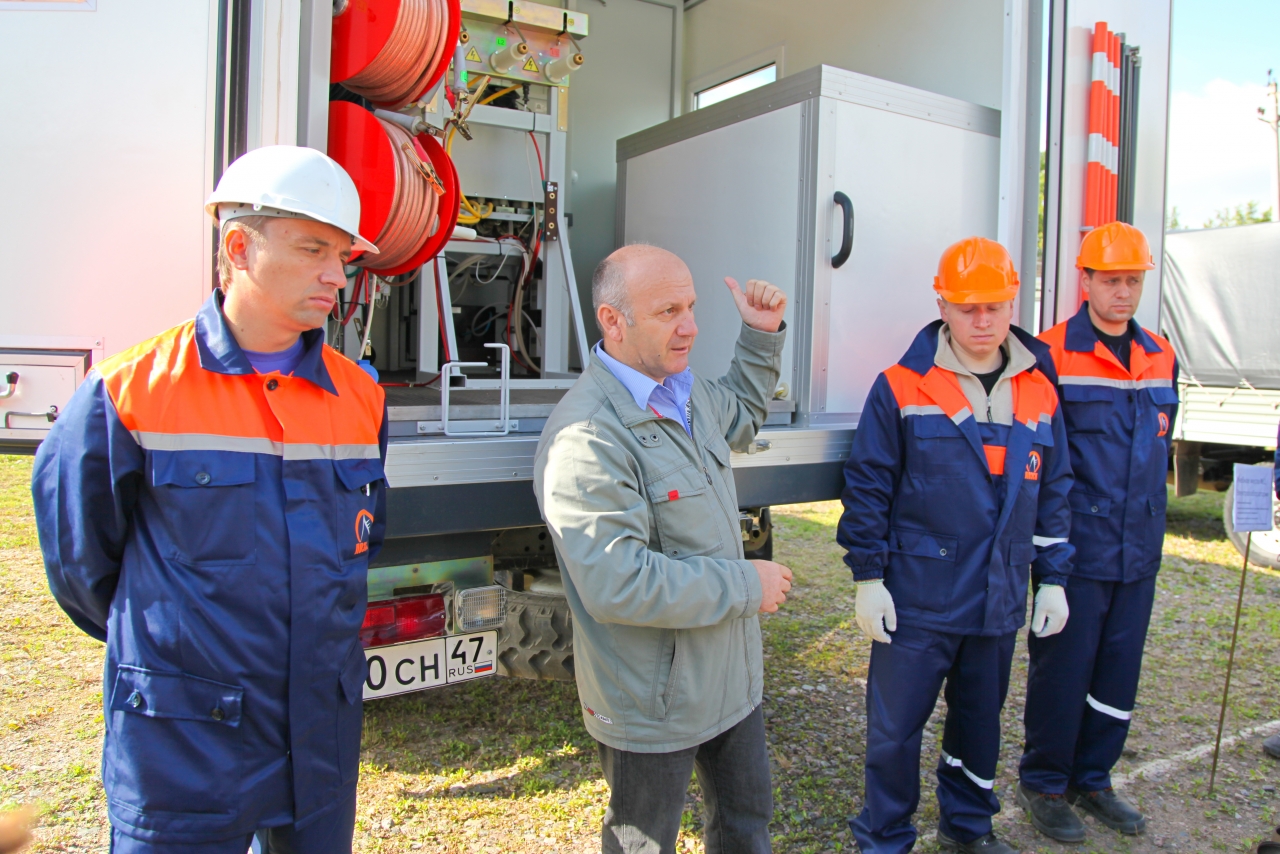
(846,242)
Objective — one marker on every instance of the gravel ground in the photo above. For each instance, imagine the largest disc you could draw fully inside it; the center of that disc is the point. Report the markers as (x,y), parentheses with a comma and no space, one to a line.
(503,765)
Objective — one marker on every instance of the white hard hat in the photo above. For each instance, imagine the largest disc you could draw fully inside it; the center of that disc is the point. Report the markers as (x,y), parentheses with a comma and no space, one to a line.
(289,180)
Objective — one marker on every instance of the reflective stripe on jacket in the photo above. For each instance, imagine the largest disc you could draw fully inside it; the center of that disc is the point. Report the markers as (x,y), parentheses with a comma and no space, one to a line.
(214,527)
(952,513)
(1118,429)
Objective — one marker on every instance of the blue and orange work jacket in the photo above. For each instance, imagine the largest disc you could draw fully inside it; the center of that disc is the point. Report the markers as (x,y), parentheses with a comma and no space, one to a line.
(1118,428)
(950,512)
(214,527)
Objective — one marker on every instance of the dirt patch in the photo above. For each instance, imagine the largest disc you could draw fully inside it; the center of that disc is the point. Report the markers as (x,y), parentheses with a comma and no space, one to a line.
(501,765)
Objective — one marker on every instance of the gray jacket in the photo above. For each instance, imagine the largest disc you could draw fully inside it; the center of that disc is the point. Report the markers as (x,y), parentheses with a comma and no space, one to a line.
(645,525)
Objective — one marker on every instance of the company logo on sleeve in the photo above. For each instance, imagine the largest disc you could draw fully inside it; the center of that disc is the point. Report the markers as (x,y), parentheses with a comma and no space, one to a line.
(1162,421)
(1033,466)
(364,527)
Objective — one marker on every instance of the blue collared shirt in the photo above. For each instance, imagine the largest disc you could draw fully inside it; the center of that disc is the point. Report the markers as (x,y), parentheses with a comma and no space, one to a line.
(669,398)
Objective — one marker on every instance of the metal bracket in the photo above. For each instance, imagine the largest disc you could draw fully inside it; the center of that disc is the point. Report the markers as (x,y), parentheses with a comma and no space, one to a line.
(51,416)
(11,385)
(504,391)
(465,428)
(551,212)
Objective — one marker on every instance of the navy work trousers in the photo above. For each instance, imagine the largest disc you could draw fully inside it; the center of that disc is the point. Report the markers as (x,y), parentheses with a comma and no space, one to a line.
(902,690)
(647,793)
(329,834)
(1082,684)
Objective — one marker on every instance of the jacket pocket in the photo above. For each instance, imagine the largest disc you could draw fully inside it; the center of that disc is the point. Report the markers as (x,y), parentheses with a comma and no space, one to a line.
(176,744)
(207,499)
(357,485)
(922,568)
(1021,553)
(1089,504)
(666,674)
(923,544)
(685,513)
(1087,409)
(939,449)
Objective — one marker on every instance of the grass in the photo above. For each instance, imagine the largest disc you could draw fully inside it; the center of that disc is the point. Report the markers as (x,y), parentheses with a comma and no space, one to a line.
(499,765)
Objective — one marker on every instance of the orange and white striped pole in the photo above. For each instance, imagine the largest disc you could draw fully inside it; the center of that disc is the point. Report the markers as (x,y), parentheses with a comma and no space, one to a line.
(1101,184)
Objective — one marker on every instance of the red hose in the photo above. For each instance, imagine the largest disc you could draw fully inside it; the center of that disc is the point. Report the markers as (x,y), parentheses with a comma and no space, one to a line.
(418,44)
(413,212)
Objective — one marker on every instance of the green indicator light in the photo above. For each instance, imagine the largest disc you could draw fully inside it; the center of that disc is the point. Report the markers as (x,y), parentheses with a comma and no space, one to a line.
(502,41)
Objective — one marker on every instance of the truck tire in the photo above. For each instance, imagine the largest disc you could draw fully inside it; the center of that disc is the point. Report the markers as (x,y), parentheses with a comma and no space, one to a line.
(536,642)
(760,547)
(1265,548)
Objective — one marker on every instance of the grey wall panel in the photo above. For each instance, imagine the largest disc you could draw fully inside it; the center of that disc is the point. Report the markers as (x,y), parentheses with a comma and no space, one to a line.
(953,48)
(624,87)
(727,202)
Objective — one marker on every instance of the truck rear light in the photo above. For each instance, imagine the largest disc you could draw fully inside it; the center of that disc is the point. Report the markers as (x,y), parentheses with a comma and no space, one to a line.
(399,620)
(481,608)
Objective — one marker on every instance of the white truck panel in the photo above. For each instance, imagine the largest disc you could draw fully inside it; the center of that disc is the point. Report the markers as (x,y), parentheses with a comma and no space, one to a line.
(1228,416)
(106,146)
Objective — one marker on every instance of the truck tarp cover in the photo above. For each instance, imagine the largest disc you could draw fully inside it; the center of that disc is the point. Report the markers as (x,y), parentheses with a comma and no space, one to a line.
(1222,304)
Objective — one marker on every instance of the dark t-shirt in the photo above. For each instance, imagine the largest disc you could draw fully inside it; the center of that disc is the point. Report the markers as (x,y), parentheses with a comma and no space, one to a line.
(990,378)
(1117,344)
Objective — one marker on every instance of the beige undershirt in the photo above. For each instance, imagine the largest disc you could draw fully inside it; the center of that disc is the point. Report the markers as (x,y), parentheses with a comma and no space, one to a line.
(998,408)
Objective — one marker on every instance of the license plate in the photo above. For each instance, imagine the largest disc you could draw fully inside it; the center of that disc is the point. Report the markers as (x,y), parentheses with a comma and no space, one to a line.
(413,666)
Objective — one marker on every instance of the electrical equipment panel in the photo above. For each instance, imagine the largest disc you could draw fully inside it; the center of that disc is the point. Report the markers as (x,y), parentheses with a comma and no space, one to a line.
(526,42)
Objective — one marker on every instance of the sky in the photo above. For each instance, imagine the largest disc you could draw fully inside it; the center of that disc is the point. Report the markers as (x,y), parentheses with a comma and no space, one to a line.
(1220,155)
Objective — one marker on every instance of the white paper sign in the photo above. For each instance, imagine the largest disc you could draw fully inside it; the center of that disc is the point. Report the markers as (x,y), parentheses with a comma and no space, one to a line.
(1251,510)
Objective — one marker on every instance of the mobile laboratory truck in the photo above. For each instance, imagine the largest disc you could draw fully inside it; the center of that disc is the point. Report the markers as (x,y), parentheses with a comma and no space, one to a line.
(1222,311)
(890,131)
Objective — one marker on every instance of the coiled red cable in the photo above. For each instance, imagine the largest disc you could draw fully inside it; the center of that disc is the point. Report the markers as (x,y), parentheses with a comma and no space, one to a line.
(418,44)
(414,211)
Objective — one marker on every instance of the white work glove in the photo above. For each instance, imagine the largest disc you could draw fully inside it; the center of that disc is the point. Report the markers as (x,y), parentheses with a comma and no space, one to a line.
(1050,613)
(874,611)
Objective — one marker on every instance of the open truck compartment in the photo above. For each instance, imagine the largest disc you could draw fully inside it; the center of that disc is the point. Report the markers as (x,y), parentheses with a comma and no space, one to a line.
(555,132)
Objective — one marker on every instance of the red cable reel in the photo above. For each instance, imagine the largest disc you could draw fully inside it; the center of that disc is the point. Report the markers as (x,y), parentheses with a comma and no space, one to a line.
(393,52)
(412,222)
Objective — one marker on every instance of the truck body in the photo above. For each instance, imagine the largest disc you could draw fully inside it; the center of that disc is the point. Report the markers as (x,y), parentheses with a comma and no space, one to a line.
(1221,313)
(927,116)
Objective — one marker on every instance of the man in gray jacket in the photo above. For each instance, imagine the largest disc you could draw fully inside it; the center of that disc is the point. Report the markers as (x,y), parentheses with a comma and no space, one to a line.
(633,478)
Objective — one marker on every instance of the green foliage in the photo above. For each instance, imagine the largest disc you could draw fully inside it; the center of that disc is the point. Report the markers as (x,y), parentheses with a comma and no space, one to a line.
(1246,214)
(17,523)
(1171,222)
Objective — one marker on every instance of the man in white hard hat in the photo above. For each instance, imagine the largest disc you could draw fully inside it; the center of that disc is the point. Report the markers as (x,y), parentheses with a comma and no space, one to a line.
(207,505)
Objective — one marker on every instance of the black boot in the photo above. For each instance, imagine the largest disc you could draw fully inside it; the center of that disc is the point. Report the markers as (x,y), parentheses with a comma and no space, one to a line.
(982,845)
(1051,815)
(1111,808)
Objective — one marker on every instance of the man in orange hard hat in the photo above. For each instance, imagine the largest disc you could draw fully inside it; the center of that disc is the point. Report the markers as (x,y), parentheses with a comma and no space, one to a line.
(1116,381)
(955,492)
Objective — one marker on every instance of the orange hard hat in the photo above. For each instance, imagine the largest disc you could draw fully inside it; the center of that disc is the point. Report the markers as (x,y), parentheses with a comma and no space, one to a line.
(976,270)
(1115,246)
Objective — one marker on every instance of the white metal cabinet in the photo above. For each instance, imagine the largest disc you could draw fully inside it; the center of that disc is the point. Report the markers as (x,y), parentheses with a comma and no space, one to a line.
(746,188)
(716,200)
(916,186)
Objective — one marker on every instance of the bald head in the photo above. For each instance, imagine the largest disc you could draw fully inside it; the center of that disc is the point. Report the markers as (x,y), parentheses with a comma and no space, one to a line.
(630,267)
(643,298)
